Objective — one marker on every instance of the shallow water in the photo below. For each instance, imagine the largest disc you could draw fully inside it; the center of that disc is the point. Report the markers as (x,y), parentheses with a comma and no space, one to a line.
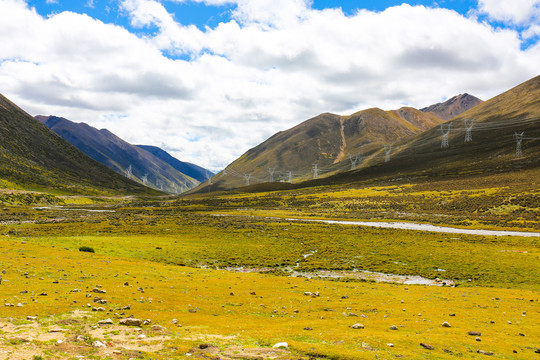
(423,227)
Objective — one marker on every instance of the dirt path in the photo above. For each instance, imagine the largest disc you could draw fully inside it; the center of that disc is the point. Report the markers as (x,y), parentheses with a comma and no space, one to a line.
(341,154)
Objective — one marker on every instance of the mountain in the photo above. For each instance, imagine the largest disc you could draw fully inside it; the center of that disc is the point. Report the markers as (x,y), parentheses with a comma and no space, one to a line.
(330,142)
(32,157)
(120,156)
(453,106)
(504,137)
(196,172)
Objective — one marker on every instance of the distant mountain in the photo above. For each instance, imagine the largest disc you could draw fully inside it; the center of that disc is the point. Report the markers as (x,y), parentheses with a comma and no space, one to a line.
(328,141)
(453,106)
(32,157)
(196,172)
(120,156)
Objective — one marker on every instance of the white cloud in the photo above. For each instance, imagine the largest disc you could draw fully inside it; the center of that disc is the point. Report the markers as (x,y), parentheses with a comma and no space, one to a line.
(515,11)
(251,76)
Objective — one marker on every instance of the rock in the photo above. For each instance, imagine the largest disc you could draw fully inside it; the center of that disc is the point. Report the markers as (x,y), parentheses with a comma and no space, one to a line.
(489,353)
(446,324)
(105,322)
(131,322)
(31,318)
(427,346)
(80,338)
(358,326)
(98,344)
(57,330)
(474,333)
(99,291)
(174,321)
(158,328)
(147,322)
(308,328)
(390,345)
(281,345)
(345,297)
(307,293)
(253,293)
(451,314)
(19,305)
(393,327)
(478,339)
(98,309)
(142,336)
(537,351)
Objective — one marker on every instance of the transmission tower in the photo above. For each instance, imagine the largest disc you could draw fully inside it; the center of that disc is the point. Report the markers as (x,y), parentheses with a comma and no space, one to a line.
(387,150)
(519,140)
(445,129)
(209,177)
(145,179)
(354,160)
(290,176)
(315,171)
(247,177)
(271,172)
(468,133)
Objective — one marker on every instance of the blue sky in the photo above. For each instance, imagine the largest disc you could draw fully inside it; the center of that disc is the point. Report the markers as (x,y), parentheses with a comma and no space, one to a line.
(208,79)
(202,15)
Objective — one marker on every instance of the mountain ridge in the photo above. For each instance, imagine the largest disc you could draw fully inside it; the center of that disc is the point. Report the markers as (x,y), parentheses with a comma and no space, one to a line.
(120,156)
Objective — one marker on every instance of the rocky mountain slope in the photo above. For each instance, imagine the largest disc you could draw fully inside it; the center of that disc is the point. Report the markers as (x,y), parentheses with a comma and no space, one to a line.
(126,159)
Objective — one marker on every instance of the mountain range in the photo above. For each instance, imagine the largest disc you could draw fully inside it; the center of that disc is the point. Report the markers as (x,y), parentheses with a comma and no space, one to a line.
(32,157)
(146,164)
(330,143)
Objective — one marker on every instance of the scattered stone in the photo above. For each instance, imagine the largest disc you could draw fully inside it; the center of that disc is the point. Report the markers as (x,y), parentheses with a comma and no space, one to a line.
(19,305)
(307,293)
(358,326)
(42,294)
(174,321)
(478,339)
(537,351)
(253,293)
(31,318)
(451,314)
(98,309)
(393,327)
(142,336)
(131,322)
(344,297)
(489,353)
(308,328)
(158,328)
(475,333)
(99,291)
(427,346)
(105,322)
(98,344)
(80,338)
(281,345)
(57,330)
(390,345)
(446,324)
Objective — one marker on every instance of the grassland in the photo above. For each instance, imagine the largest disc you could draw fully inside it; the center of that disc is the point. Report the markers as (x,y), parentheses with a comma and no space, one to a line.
(228,280)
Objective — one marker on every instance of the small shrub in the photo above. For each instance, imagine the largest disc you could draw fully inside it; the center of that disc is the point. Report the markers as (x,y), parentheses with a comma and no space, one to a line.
(87,249)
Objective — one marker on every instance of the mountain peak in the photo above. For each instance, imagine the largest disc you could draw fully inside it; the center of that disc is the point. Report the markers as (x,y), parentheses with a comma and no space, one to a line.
(453,106)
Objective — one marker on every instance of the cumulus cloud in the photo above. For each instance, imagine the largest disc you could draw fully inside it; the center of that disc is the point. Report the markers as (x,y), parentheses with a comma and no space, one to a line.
(209,95)
(515,11)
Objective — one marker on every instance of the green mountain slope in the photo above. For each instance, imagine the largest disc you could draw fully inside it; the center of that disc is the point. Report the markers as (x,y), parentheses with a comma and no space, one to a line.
(120,156)
(32,157)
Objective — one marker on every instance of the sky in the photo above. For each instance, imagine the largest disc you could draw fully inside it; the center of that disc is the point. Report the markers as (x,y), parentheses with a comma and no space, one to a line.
(207,80)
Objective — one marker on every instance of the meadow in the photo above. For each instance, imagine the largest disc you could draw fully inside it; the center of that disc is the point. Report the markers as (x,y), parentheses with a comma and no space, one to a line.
(227,276)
